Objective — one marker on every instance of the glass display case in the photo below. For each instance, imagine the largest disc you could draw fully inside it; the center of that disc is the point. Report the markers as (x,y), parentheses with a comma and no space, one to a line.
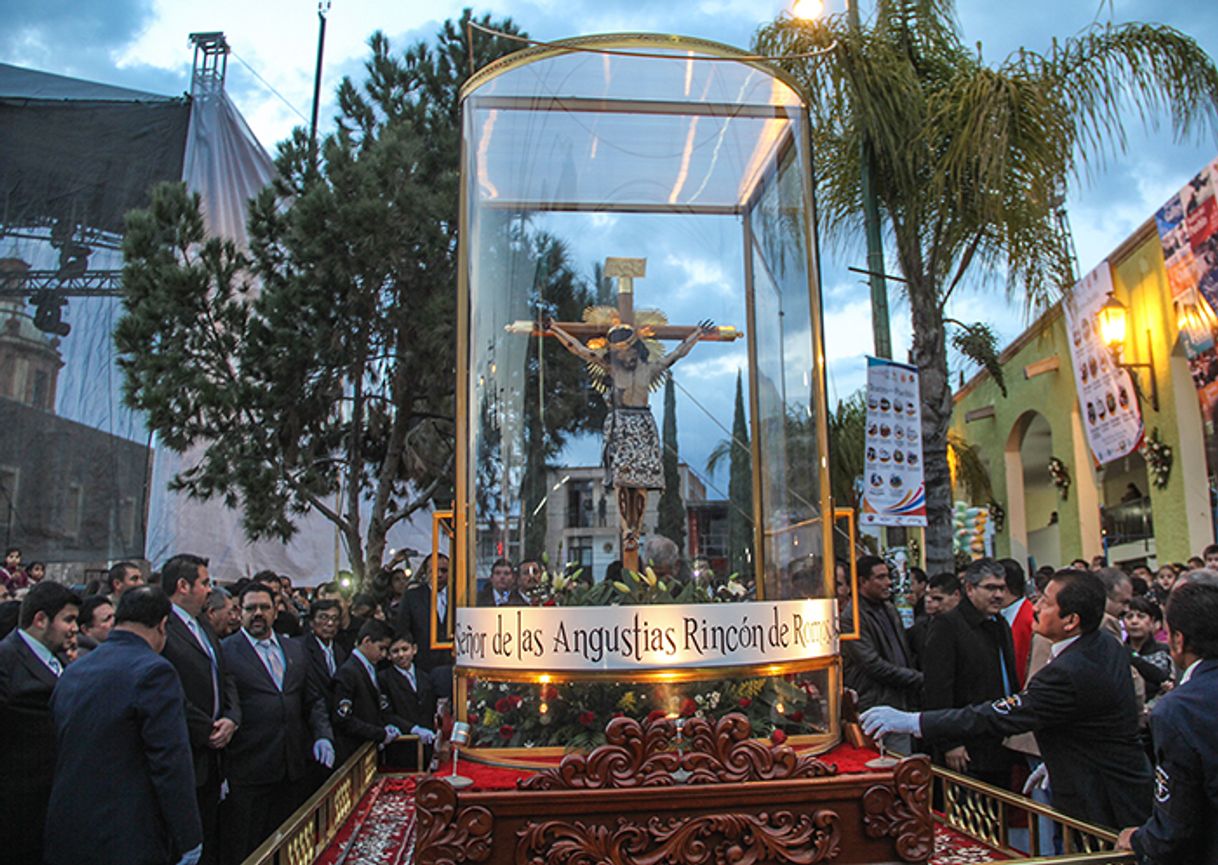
(641,407)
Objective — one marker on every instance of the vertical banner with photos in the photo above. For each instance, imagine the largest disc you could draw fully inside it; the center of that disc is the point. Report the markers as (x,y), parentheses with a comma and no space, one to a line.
(1107,400)
(1188,233)
(894,490)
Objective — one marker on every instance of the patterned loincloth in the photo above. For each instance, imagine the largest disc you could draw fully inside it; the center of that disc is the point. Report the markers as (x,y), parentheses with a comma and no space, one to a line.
(632,450)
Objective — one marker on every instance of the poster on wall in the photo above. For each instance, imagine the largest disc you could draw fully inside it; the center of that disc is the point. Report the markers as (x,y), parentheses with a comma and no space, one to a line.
(1188,233)
(1107,400)
(894,490)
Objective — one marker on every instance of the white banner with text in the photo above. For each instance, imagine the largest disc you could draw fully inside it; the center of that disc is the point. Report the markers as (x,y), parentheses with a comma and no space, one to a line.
(651,637)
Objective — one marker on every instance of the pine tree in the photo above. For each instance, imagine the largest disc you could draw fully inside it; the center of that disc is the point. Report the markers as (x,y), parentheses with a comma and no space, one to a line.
(337,374)
(740,492)
(671,508)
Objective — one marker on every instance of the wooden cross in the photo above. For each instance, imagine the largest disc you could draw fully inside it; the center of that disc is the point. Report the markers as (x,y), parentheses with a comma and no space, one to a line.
(574,335)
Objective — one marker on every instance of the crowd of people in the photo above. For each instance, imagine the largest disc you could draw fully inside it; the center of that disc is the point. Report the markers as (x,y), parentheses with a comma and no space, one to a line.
(1087,688)
(216,710)
(212,711)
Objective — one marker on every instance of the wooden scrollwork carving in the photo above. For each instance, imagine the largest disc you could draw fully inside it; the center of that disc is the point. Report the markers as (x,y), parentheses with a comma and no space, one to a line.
(716,752)
(741,839)
(446,835)
(901,810)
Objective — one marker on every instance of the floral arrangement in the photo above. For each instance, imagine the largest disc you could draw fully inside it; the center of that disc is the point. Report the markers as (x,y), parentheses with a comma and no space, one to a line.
(1158,456)
(1060,475)
(574,714)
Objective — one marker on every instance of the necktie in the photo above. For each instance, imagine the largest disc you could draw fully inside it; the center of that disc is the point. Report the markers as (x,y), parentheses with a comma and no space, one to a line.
(410,679)
(270,652)
(56,667)
(205,644)
(329,653)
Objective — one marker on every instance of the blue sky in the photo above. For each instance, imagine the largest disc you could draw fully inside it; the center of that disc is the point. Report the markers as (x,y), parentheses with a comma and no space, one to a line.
(143,44)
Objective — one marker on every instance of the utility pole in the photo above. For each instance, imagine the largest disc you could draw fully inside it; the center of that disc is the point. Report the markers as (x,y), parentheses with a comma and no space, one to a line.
(871,227)
(323,7)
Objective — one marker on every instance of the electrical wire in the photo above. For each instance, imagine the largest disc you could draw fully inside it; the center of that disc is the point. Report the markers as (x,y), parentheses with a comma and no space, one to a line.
(268,85)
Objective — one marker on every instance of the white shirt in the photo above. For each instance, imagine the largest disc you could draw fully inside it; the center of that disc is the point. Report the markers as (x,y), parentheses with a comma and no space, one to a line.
(1010,611)
(192,625)
(371,670)
(270,638)
(1188,673)
(410,676)
(42,653)
(1061,646)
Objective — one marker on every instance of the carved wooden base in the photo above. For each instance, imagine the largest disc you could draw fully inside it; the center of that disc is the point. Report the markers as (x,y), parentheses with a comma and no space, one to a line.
(741,802)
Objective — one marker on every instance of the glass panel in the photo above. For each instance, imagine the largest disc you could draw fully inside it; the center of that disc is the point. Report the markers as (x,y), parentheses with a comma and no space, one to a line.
(787,396)
(640,366)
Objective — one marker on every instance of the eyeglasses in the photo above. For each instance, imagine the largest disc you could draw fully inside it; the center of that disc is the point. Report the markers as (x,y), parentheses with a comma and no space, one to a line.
(992,588)
(326,619)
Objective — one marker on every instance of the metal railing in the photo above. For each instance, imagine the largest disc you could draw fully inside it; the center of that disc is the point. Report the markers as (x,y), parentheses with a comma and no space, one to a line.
(983,813)
(308,832)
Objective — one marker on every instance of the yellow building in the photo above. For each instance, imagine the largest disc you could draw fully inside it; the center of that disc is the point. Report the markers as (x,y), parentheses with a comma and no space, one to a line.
(1115,508)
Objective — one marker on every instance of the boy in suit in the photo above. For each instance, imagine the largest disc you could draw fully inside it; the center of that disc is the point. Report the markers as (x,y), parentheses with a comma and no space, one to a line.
(412,703)
(359,706)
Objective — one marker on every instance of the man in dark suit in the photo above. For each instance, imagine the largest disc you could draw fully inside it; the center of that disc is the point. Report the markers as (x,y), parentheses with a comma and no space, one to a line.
(502,591)
(415,617)
(969,657)
(1184,824)
(879,665)
(360,707)
(1080,706)
(29,670)
(412,703)
(124,789)
(324,654)
(284,724)
(212,710)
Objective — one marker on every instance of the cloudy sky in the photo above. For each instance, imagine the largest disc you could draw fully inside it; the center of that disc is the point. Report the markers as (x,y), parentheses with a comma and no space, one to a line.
(143,44)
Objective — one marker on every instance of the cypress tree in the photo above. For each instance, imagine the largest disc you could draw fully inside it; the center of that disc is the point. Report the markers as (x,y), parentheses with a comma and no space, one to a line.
(672,508)
(740,492)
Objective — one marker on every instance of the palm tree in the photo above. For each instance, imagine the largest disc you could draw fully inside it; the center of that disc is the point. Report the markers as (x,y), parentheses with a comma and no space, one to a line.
(971,159)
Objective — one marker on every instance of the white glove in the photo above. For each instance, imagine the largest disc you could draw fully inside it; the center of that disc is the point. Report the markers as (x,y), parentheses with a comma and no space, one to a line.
(425,736)
(1039,777)
(323,752)
(391,733)
(882,720)
(192,857)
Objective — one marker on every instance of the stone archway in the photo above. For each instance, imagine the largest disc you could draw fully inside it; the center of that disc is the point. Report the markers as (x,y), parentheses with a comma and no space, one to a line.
(1032,500)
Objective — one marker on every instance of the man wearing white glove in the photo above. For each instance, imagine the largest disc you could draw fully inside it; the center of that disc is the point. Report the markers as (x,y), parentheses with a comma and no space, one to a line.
(1080,706)
(284,726)
(412,704)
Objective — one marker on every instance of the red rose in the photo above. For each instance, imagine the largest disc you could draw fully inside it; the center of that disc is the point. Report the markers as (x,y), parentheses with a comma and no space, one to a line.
(744,702)
(587,718)
(688,707)
(795,717)
(548,692)
(506,732)
(777,737)
(655,715)
(503,705)
(549,603)
(515,700)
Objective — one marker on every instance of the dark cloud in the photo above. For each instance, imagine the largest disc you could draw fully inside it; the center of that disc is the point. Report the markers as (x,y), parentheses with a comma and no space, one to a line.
(74,37)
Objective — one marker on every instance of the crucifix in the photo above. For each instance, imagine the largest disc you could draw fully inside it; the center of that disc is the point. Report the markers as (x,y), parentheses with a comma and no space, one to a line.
(626,361)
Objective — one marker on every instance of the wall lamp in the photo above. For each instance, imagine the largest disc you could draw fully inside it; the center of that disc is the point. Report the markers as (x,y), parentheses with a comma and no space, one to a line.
(1112,319)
